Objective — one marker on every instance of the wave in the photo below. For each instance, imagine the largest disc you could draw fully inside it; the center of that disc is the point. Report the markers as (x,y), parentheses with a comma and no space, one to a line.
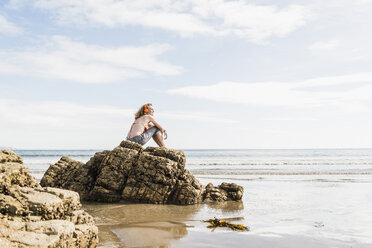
(37,163)
(281,173)
(56,155)
(296,179)
(37,171)
(282,163)
(53,153)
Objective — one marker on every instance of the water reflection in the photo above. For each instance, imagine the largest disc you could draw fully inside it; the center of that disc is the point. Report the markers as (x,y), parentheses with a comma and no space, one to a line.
(229,206)
(140,225)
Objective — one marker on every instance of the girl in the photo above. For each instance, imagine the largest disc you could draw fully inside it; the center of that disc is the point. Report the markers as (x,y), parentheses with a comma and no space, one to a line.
(144,127)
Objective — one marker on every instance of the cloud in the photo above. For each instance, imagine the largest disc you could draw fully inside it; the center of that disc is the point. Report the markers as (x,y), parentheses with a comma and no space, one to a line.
(62,58)
(364,77)
(195,116)
(66,115)
(187,18)
(258,22)
(338,31)
(9,28)
(290,119)
(324,45)
(348,92)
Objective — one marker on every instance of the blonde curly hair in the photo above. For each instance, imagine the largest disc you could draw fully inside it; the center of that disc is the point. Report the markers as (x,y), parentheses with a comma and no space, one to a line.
(141,110)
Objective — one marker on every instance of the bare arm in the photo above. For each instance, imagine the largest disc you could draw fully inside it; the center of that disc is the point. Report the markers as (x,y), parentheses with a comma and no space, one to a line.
(151,119)
(162,130)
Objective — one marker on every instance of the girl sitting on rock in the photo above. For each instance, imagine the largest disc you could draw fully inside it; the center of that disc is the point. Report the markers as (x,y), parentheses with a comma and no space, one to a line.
(144,127)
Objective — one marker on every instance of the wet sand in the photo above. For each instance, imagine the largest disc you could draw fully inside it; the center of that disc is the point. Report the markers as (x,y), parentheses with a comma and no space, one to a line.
(141,225)
(318,213)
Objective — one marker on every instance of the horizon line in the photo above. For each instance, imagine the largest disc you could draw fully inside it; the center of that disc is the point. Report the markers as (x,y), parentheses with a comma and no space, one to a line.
(186,149)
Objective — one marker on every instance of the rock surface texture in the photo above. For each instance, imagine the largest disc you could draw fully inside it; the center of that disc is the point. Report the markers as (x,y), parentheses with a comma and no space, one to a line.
(131,173)
(224,192)
(32,216)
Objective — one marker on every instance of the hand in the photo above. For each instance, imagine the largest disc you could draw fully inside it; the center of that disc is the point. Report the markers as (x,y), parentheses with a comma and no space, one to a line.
(165,134)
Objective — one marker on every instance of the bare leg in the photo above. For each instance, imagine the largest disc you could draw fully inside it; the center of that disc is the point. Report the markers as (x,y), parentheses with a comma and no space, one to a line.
(158,138)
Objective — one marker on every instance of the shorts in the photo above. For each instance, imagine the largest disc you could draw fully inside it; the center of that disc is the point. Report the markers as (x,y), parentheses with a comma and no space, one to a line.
(146,136)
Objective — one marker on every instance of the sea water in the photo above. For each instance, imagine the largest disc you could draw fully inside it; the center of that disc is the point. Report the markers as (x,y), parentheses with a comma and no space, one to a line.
(286,164)
(292,198)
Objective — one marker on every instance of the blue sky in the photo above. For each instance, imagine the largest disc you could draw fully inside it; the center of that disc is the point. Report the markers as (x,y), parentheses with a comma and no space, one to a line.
(220,74)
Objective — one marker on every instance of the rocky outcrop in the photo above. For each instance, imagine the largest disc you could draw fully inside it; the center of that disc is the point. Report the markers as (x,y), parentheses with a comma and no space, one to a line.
(224,192)
(73,175)
(131,173)
(32,216)
(13,172)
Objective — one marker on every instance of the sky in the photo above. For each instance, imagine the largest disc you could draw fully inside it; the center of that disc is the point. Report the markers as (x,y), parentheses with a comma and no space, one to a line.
(220,74)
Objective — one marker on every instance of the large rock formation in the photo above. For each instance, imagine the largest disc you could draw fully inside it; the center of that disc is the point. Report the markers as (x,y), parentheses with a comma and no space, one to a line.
(32,216)
(131,173)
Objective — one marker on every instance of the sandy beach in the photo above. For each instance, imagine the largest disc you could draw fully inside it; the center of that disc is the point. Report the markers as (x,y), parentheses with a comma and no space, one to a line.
(280,213)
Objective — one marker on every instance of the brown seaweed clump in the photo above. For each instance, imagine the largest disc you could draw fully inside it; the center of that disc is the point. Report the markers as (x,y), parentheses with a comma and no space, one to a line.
(224,223)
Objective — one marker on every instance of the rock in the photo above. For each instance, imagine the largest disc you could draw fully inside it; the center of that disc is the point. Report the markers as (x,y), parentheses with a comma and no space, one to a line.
(131,173)
(188,190)
(73,175)
(159,176)
(32,216)
(12,172)
(115,169)
(131,145)
(50,233)
(224,192)
(7,156)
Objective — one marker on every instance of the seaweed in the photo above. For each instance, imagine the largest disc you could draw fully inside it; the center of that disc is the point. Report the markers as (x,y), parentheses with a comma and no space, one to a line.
(224,223)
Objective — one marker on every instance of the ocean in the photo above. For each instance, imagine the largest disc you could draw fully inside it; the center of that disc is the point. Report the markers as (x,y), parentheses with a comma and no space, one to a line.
(292,198)
(250,164)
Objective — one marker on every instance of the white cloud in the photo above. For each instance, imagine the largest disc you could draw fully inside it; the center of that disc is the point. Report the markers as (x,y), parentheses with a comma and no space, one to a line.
(195,116)
(186,18)
(63,115)
(364,77)
(66,115)
(290,119)
(9,28)
(324,45)
(318,92)
(255,21)
(339,31)
(62,58)
(62,125)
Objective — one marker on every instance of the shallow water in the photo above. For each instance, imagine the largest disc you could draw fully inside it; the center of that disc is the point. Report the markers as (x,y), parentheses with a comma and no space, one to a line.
(279,214)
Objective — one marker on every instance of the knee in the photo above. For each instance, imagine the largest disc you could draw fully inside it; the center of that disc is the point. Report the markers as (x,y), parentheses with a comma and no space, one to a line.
(158,134)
